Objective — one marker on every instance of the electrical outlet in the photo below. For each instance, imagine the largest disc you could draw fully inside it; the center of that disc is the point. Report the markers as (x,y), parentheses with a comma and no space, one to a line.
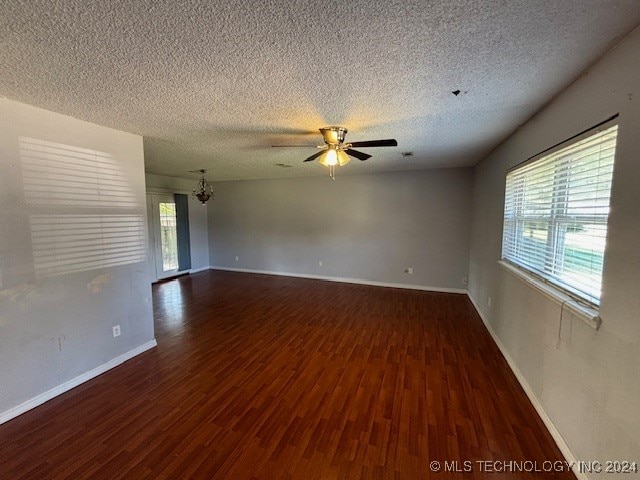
(465,280)
(116,331)
(409,270)
(237,258)
(489,301)
(320,263)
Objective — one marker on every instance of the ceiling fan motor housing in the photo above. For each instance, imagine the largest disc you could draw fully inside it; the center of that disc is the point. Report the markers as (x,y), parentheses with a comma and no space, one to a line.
(333,135)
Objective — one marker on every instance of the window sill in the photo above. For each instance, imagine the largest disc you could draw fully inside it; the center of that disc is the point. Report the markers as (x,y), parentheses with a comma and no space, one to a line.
(590,316)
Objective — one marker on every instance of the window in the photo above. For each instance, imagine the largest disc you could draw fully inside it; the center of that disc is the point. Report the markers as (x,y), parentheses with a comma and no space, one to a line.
(556,211)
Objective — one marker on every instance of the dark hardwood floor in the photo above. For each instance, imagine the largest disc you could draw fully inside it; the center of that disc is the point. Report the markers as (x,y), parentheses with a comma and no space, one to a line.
(267,377)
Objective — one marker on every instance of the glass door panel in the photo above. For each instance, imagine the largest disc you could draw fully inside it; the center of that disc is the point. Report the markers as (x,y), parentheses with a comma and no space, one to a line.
(168,236)
(164,242)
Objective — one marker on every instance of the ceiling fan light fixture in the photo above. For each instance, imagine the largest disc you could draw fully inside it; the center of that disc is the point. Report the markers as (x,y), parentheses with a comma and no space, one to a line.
(329,158)
(343,158)
(332,158)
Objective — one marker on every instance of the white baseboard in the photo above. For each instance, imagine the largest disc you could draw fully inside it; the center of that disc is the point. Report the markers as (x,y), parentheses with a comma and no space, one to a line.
(553,430)
(357,281)
(74,382)
(196,270)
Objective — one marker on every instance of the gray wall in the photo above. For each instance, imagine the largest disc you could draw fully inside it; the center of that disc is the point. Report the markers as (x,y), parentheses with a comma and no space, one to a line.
(72,249)
(589,384)
(368,227)
(198,228)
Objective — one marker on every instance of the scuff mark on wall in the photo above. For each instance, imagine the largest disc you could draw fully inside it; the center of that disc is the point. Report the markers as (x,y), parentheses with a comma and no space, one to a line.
(96,284)
(18,296)
(19,292)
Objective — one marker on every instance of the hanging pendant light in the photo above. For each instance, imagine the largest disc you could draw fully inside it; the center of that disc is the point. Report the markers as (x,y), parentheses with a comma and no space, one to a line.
(203,192)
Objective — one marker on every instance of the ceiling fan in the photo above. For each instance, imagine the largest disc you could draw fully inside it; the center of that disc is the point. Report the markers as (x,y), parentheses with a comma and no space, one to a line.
(336,153)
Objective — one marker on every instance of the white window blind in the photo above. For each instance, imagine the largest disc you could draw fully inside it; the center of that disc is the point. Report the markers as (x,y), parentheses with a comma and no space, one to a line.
(556,212)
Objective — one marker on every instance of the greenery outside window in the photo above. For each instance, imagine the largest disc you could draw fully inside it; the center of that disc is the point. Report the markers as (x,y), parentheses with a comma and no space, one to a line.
(556,213)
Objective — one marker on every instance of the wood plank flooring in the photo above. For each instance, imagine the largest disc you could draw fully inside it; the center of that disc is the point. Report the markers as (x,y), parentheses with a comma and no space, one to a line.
(263,377)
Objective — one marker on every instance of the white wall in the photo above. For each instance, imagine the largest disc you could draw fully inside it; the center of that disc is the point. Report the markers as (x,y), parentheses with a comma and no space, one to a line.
(588,385)
(366,227)
(198,228)
(72,250)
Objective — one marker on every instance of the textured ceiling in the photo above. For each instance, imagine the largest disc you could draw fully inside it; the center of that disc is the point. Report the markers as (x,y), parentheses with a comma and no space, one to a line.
(212,84)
